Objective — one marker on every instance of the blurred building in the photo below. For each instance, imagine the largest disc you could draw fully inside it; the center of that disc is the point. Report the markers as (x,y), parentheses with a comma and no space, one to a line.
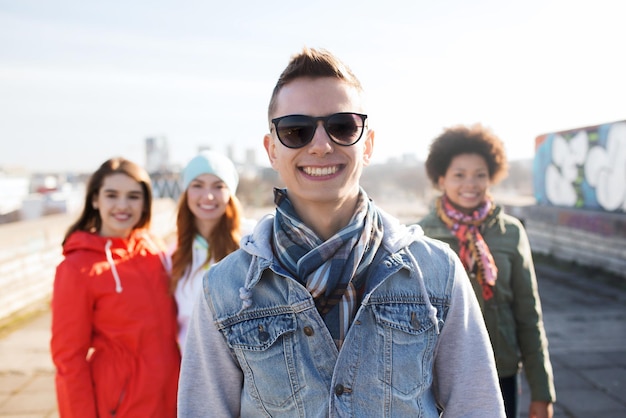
(14,188)
(250,157)
(157,155)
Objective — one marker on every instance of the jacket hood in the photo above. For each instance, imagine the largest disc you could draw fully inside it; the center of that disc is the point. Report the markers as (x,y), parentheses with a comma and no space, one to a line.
(138,241)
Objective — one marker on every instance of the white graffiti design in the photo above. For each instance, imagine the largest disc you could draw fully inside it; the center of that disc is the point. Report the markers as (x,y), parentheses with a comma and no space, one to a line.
(605,169)
(561,174)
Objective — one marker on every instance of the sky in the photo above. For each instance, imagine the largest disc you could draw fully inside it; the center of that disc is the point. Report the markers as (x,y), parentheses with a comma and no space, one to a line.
(82,81)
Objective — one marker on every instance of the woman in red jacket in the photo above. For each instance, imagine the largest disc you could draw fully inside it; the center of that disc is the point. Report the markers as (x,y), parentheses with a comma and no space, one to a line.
(113,318)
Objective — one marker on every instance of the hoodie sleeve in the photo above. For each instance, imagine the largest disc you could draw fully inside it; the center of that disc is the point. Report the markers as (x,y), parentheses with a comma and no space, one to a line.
(72,315)
(466,381)
(210,378)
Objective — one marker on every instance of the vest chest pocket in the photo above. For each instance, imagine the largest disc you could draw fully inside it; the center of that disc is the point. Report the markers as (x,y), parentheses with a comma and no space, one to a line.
(258,334)
(406,340)
(264,349)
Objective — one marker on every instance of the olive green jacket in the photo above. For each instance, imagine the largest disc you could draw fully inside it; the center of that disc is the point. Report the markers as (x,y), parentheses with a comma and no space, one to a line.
(513,316)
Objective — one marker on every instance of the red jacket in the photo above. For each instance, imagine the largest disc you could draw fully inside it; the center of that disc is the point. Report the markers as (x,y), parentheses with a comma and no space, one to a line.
(114,329)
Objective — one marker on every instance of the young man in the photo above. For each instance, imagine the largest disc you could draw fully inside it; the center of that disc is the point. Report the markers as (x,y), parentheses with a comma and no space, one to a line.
(331,307)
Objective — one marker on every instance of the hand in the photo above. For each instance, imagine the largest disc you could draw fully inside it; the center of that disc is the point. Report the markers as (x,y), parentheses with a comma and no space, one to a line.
(540,409)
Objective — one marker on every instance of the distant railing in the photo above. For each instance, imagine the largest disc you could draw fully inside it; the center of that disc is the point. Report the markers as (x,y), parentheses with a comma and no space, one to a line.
(166,186)
(31,250)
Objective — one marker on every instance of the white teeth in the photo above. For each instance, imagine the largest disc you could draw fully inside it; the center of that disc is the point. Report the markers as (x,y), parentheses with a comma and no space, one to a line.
(320,171)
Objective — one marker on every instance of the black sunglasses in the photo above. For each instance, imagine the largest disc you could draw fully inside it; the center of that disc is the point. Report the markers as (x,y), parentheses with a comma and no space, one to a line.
(295,131)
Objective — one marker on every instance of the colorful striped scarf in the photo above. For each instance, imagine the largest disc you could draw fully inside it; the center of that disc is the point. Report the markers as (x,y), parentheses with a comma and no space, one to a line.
(331,270)
(473,252)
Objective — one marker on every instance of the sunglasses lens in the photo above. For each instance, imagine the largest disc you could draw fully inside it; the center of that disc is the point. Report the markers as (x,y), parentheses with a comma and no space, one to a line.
(295,131)
(345,128)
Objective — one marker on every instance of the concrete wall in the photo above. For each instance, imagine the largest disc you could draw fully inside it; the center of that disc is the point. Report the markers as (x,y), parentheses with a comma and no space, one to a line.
(30,251)
(588,237)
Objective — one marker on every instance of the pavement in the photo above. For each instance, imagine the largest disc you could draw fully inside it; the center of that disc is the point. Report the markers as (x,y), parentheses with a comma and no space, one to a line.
(26,369)
(585,319)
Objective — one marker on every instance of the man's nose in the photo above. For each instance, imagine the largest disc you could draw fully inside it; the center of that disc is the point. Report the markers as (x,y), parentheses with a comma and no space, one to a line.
(321,141)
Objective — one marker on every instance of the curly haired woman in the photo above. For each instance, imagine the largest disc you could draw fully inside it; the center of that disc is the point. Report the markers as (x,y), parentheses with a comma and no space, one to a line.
(463,163)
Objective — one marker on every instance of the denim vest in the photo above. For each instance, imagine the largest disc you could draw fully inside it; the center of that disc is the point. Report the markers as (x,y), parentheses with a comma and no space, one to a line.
(290,363)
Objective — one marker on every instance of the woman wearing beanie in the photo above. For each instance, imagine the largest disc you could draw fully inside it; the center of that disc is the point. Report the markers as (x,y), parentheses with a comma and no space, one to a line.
(209,227)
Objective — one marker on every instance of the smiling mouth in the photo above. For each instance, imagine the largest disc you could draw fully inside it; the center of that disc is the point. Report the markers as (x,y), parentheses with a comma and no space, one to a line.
(320,171)
(208,207)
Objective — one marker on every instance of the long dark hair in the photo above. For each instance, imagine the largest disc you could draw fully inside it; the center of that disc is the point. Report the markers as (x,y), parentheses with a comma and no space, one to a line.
(89,219)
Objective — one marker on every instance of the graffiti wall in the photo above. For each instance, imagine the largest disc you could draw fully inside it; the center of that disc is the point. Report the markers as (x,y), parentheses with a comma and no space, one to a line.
(582,168)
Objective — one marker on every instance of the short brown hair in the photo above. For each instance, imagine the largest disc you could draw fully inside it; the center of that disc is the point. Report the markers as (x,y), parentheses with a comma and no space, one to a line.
(313,63)
(475,139)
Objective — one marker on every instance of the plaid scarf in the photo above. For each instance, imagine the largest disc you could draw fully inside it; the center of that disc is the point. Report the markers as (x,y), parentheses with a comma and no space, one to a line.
(474,252)
(331,270)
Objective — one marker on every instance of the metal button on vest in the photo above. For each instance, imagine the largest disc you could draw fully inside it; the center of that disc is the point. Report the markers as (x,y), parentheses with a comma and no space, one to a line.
(308,331)
(415,323)
(338,390)
(263,335)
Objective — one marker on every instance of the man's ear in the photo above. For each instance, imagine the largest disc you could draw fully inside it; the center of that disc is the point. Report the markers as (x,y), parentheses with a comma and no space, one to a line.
(368,150)
(270,148)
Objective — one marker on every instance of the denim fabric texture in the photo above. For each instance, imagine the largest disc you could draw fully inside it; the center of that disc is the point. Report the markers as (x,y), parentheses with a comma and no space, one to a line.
(257,346)
(288,356)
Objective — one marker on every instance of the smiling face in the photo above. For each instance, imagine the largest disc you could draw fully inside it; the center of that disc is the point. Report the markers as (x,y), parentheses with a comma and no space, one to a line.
(207,198)
(321,175)
(120,202)
(466,182)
